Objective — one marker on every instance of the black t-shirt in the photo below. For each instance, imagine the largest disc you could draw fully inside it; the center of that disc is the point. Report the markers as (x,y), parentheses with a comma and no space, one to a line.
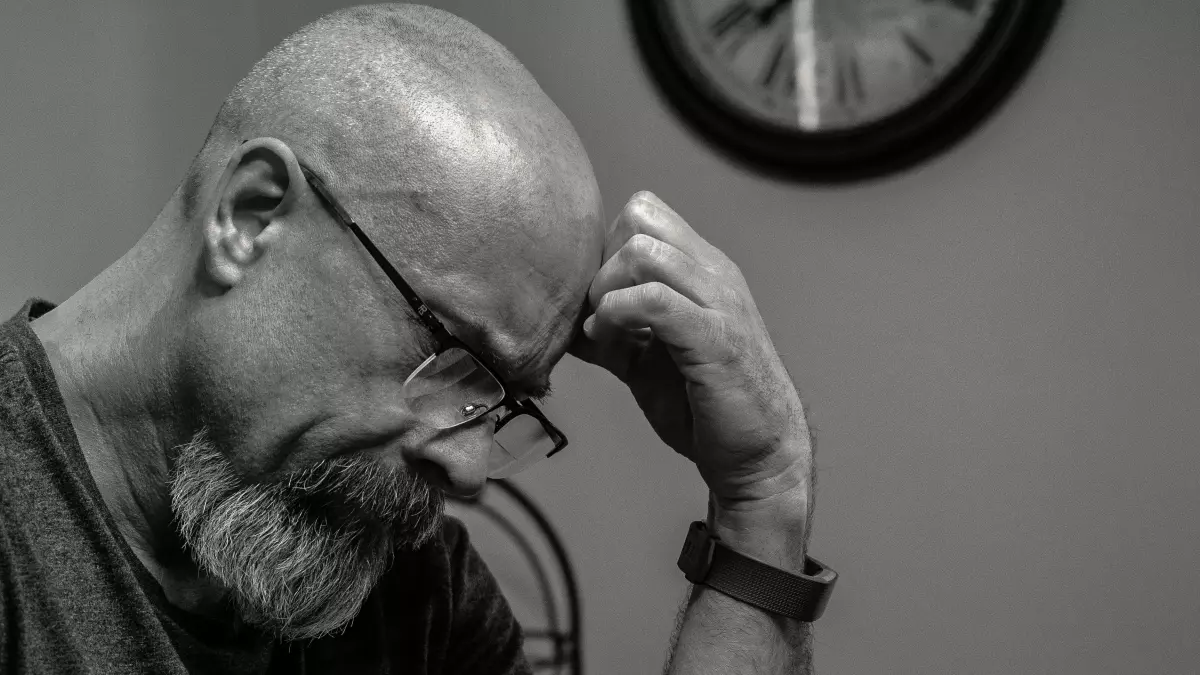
(74,598)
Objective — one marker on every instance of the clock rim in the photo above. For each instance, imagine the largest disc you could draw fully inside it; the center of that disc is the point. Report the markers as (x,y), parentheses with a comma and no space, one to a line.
(970,93)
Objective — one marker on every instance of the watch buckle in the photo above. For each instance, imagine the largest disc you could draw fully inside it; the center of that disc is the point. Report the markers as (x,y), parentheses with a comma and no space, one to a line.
(696,557)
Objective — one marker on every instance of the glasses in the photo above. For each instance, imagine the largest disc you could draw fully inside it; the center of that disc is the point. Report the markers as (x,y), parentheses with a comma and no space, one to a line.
(453,386)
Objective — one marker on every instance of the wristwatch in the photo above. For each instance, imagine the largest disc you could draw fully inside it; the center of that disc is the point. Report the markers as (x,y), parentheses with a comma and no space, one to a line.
(704,560)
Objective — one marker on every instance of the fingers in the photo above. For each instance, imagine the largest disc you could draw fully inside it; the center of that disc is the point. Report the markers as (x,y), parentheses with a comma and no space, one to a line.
(614,355)
(662,280)
(645,213)
(644,259)
(692,331)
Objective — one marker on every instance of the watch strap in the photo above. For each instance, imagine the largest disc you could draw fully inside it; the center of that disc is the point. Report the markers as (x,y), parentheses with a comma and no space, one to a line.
(704,560)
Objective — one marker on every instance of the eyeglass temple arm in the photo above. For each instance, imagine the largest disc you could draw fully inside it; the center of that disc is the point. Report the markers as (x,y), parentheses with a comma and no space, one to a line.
(410,295)
(392,273)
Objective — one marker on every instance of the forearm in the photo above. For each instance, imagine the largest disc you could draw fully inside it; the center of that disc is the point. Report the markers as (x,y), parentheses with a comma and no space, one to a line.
(721,635)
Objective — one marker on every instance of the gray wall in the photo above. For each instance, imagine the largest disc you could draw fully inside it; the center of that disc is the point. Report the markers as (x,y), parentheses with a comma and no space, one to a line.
(999,348)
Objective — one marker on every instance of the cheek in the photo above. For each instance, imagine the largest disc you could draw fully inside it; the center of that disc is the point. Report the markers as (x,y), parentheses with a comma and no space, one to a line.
(257,383)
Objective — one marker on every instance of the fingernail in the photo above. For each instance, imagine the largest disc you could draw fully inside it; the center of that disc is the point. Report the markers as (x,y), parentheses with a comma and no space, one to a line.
(588,323)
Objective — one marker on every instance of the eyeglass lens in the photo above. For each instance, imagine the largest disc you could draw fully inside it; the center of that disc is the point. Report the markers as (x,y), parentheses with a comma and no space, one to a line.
(452,388)
(520,442)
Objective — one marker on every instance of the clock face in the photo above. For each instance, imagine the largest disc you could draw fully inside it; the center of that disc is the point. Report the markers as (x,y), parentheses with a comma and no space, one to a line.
(824,65)
(837,90)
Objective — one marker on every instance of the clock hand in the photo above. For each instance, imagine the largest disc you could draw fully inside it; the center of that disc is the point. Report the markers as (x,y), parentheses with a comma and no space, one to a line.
(745,18)
(766,15)
(744,22)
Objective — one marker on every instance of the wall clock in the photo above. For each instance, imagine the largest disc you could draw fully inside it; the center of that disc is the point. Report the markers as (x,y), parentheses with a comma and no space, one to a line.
(835,90)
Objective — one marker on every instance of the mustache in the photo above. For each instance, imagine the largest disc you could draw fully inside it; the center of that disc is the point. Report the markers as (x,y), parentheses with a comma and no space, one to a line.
(360,490)
(348,493)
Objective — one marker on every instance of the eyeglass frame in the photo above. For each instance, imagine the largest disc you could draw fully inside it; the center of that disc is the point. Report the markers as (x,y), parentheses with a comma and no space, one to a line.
(445,339)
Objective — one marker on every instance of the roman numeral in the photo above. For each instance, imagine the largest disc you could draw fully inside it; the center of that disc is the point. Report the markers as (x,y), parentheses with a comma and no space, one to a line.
(916,48)
(739,14)
(775,62)
(741,21)
(848,85)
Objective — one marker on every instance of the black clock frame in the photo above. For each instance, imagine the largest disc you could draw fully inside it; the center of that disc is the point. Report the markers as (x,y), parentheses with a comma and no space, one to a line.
(1002,55)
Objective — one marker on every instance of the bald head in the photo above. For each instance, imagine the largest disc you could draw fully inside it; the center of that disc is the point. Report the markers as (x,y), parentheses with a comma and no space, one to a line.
(438,141)
(397,106)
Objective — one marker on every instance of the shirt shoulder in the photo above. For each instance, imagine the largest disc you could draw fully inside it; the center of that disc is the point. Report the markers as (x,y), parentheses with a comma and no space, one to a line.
(476,631)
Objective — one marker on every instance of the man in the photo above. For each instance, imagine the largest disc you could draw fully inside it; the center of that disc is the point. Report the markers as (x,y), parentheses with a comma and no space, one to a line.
(227,452)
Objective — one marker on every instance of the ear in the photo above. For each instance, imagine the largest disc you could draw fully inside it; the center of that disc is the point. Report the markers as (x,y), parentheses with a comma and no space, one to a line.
(257,190)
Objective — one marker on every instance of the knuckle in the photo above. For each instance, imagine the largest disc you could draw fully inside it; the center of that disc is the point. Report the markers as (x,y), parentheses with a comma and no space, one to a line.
(726,263)
(643,196)
(728,295)
(638,211)
(608,303)
(641,244)
(642,248)
(731,276)
(655,295)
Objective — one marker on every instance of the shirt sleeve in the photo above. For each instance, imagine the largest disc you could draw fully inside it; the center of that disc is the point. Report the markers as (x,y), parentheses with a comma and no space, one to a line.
(485,637)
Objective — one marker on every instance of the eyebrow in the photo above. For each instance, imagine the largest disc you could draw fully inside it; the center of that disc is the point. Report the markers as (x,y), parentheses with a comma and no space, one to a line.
(538,392)
(537,389)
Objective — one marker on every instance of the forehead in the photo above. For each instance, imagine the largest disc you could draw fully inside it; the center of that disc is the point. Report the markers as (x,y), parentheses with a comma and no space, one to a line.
(515,293)
(518,324)
(499,235)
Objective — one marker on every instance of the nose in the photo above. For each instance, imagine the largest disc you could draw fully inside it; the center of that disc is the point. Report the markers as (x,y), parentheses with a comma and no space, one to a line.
(456,460)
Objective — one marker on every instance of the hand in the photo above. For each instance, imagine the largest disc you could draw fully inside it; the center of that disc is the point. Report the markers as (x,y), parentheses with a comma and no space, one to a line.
(674,320)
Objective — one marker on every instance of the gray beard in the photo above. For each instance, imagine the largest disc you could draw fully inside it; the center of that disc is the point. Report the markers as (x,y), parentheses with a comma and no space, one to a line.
(299,555)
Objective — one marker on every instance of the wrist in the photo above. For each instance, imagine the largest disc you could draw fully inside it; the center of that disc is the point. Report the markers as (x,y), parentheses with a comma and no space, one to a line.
(774,529)
(784,468)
